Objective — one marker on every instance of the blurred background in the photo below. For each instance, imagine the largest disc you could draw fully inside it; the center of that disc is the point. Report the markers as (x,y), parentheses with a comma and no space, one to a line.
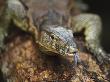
(102,8)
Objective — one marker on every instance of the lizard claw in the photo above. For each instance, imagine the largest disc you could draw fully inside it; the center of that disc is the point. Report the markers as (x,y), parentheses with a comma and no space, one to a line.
(103,58)
(107,58)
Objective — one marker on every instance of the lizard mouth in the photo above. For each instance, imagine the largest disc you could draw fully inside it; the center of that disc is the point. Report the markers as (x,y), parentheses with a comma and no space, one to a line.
(72,51)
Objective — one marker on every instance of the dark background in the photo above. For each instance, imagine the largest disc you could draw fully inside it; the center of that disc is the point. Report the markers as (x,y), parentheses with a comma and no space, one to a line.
(102,8)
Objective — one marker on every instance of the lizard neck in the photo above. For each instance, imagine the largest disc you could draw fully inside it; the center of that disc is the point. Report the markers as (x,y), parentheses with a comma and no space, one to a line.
(53,18)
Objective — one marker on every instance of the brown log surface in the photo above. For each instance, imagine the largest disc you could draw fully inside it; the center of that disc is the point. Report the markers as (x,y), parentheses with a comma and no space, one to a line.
(22,62)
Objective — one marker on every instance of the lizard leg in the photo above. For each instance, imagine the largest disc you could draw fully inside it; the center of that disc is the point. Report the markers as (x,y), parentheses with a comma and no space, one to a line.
(12,10)
(93,26)
(3,34)
(21,17)
(18,14)
(5,19)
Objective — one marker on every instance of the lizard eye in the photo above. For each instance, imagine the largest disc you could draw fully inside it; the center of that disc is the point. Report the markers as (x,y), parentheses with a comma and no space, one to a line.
(52,37)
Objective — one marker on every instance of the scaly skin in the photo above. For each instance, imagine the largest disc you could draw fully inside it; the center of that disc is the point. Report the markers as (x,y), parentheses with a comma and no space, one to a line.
(93,27)
(22,18)
(49,21)
(9,14)
(14,12)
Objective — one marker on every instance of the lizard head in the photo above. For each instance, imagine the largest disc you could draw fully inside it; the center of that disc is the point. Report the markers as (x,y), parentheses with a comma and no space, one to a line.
(59,40)
(49,18)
